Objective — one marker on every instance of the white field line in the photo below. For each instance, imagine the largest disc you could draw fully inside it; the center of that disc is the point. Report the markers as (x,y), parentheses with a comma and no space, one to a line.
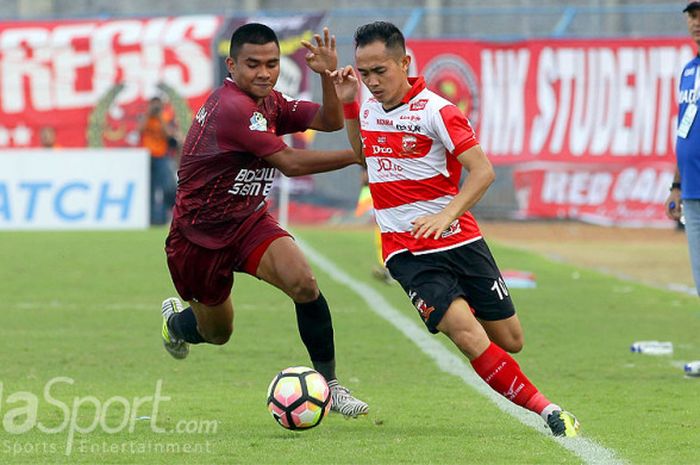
(589,451)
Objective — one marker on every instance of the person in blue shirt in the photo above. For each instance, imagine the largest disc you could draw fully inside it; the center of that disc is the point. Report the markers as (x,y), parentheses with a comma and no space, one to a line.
(685,189)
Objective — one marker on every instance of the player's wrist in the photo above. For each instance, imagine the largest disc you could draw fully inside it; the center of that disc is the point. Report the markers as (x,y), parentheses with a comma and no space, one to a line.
(351,110)
(675,186)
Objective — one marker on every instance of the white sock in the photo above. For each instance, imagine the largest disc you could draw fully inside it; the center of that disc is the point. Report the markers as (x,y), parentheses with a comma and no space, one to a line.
(548,410)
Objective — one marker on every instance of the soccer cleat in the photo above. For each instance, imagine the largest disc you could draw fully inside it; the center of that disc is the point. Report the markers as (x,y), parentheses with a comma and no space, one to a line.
(563,423)
(343,402)
(382,274)
(175,347)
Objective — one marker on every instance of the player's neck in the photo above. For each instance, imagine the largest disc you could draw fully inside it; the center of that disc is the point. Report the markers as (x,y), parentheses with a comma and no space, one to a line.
(399,99)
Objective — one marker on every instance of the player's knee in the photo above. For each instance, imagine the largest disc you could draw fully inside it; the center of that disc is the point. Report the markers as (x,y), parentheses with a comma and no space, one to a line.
(304,289)
(513,344)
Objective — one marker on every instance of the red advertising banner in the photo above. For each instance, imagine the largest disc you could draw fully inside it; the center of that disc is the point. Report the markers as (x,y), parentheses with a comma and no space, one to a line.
(90,80)
(574,118)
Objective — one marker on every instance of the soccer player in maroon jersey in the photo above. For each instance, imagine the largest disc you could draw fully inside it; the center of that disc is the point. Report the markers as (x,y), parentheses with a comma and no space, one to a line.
(416,144)
(220,220)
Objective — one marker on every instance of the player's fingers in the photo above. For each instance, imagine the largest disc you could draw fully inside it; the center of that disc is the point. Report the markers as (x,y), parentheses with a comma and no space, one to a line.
(333,42)
(319,42)
(309,46)
(326,36)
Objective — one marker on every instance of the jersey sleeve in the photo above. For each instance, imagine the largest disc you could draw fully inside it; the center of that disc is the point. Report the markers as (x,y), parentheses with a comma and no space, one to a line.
(242,128)
(454,131)
(294,115)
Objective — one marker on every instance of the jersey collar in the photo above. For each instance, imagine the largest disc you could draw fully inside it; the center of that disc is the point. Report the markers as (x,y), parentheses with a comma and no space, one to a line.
(417,86)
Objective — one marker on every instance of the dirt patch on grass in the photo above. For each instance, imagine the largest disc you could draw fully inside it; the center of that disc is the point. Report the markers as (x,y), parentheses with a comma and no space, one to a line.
(654,256)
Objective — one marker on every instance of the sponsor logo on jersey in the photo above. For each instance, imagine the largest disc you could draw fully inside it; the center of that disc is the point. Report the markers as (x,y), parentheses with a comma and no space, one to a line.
(253,182)
(377,149)
(413,118)
(384,122)
(201,116)
(385,165)
(408,127)
(418,105)
(258,122)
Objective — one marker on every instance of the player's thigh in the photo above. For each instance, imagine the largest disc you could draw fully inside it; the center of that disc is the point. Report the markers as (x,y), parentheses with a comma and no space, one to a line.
(506,333)
(284,266)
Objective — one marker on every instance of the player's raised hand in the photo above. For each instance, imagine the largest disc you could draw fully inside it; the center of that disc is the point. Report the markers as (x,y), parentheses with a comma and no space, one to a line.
(346,83)
(322,56)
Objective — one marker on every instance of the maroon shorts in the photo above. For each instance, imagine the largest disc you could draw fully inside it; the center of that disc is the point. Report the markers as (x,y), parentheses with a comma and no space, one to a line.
(206,275)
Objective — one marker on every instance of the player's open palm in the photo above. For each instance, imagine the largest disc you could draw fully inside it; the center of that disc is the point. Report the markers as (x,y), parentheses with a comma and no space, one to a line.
(322,56)
(346,84)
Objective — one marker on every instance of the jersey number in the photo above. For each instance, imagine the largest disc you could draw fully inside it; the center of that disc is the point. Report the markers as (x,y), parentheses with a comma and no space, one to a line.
(499,286)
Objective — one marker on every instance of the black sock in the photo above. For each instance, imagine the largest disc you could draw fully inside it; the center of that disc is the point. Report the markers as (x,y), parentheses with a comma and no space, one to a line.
(316,330)
(184,326)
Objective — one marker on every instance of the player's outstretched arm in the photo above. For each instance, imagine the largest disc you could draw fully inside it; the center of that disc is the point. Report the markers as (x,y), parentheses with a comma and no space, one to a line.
(481,175)
(299,162)
(322,57)
(347,87)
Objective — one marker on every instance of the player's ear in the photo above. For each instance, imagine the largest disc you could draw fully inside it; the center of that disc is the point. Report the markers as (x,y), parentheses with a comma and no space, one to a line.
(405,62)
(230,65)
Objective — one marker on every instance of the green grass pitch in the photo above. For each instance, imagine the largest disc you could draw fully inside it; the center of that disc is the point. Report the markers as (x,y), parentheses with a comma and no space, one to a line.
(80,327)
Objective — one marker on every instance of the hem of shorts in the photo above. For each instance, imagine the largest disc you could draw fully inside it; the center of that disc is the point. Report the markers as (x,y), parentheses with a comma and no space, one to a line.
(441,249)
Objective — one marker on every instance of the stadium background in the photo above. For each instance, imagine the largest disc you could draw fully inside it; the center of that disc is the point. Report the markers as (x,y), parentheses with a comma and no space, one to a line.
(512,22)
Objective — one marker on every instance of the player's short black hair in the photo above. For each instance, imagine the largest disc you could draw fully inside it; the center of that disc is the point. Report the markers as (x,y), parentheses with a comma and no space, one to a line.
(380,31)
(251,33)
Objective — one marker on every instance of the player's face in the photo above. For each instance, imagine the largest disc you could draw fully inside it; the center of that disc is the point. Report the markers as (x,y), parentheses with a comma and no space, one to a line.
(693,17)
(384,72)
(256,68)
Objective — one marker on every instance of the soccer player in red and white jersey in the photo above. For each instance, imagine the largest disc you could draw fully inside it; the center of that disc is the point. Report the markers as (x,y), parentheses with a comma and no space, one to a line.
(415,144)
(220,220)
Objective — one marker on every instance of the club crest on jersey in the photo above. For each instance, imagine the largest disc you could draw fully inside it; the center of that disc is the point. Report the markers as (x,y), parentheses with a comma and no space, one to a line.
(381,140)
(258,122)
(408,144)
(418,105)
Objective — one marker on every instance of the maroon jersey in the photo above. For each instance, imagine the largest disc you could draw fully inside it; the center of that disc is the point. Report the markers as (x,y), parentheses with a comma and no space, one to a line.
(224,178)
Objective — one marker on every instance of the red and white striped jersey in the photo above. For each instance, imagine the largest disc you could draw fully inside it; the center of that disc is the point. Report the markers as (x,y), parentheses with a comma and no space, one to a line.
(411,153)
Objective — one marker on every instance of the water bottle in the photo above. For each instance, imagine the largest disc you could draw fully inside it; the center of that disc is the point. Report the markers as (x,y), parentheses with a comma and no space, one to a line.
(652,347)
(692,368)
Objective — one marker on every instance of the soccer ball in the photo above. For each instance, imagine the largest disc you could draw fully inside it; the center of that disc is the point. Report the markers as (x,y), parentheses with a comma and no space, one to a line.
(298,398)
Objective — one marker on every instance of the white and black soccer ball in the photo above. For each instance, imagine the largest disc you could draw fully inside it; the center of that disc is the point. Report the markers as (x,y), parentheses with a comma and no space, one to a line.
(298,398)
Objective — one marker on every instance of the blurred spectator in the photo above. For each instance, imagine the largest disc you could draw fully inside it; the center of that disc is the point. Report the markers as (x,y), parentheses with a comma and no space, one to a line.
(158,136)
(684,198)
(47,137)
